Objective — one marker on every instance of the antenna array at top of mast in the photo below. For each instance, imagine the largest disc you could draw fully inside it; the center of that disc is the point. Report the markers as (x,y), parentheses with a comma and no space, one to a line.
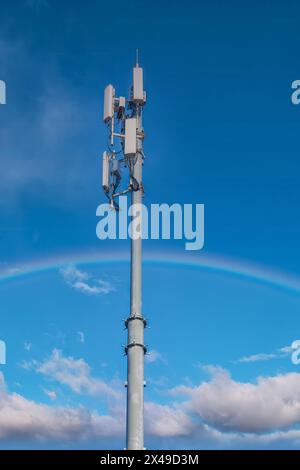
(121,116)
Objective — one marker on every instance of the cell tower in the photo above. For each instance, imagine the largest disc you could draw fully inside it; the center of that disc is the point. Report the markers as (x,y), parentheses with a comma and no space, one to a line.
(125,155)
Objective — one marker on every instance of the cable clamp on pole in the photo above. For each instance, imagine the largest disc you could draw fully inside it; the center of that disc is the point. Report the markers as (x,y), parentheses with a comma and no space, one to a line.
(133,344)
(135,317)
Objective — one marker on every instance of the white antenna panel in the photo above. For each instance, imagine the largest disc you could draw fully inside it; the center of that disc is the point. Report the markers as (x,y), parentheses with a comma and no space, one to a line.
(105,172)
(130,137)
(138,91)
(109,96)
(122,102)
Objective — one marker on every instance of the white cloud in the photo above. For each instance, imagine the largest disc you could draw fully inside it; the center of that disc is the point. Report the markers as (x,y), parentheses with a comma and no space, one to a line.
(28,365)
(74,373)
(72,274)
(7,269)
(154,356)
(50,394)
(258,357)
(219,413)
(286,350)
(167,421)
(21,418)
(84,282)
(269,403)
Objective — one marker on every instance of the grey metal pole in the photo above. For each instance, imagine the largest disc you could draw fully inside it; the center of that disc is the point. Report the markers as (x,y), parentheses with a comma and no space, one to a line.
(128,116)
(135,324)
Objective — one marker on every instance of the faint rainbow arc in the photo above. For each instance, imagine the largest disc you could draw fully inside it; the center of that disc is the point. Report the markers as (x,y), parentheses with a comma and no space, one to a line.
(214,263)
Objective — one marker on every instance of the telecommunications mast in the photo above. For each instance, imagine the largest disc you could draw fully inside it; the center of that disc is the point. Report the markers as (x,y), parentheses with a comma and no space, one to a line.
(125,154)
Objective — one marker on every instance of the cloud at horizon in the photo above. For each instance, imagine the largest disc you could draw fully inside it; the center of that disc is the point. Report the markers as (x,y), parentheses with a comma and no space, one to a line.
(217,412)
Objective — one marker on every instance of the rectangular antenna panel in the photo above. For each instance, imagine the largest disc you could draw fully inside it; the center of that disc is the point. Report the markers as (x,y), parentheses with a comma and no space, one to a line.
(105,172)
(130,136)
(122,102)
(138,92)
(109,95)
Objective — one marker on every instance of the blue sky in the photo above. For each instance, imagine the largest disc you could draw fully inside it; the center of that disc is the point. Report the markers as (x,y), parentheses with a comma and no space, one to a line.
(220,130)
